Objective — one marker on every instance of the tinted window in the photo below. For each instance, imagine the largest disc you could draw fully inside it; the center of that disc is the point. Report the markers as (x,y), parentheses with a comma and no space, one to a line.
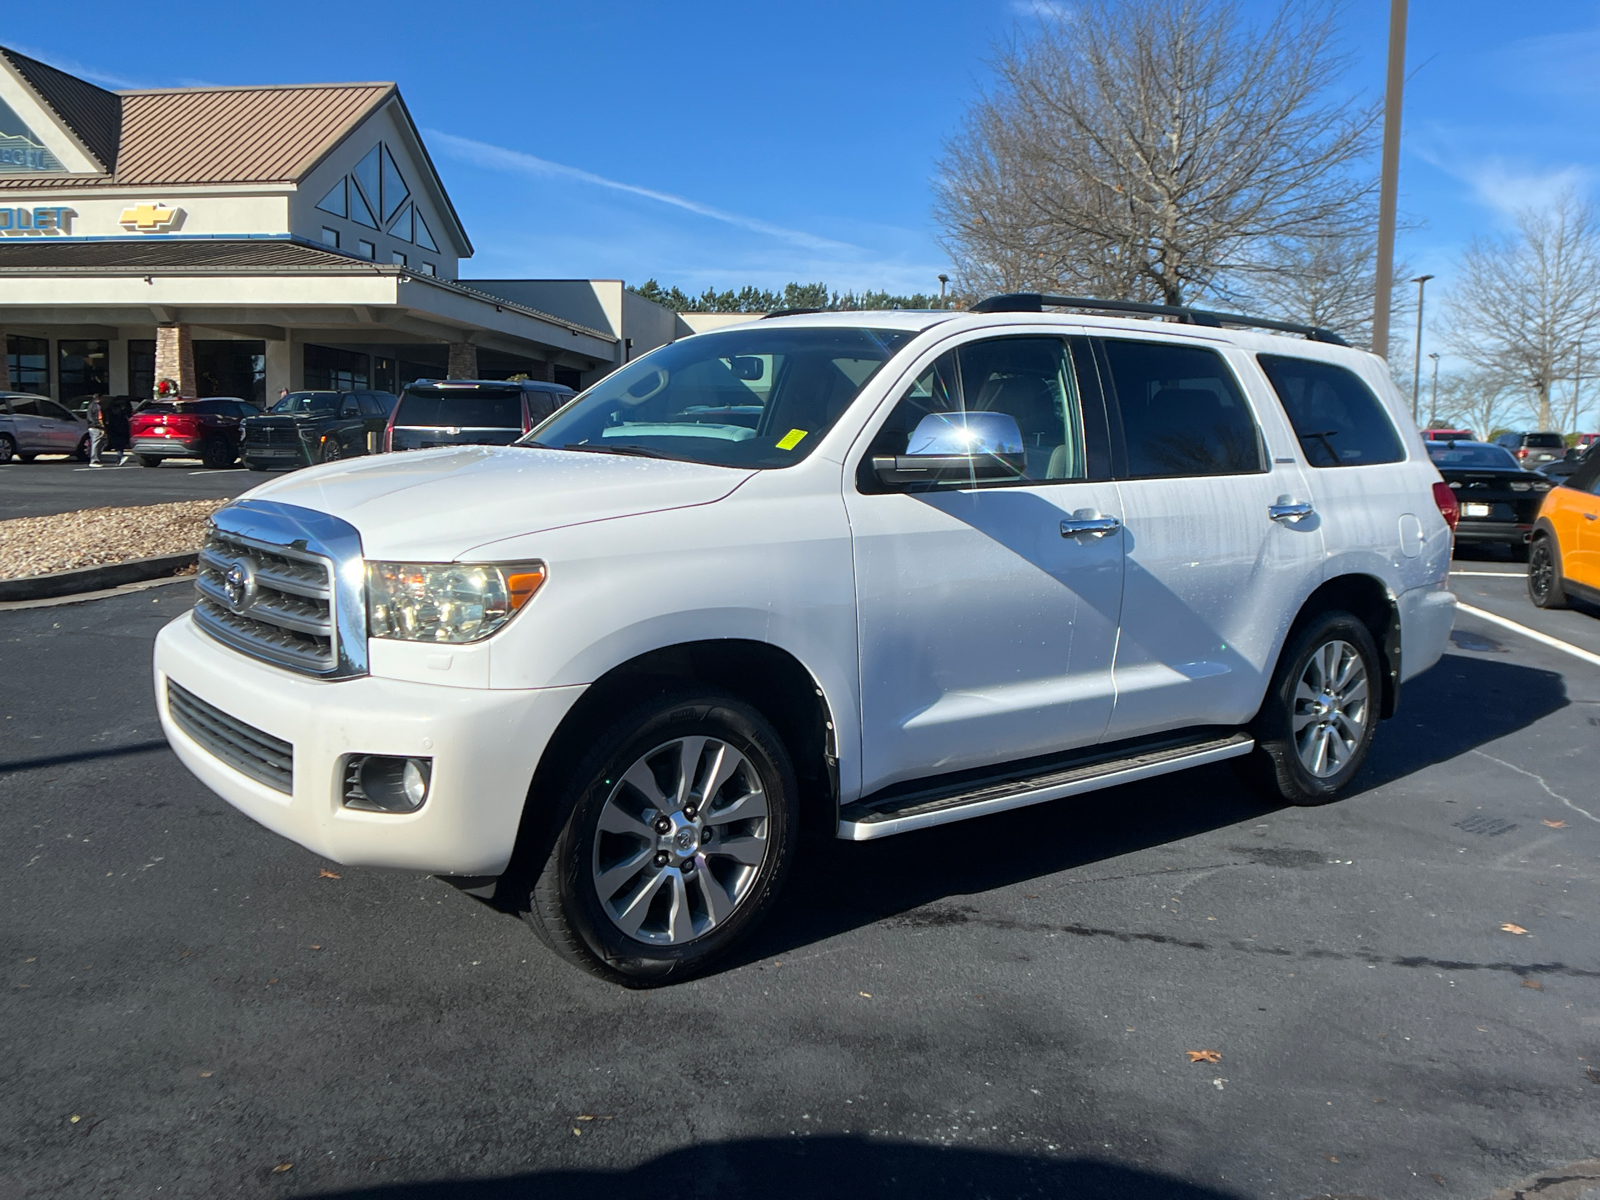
(1338,420)
(24,408)
(1547,441)
(1182,412)
(430,408)
(371,406)
(215,408)
(50,408)
(348,407)
(1029,379)
(759,397)
(308,402)
(1508,439)
(1458,454)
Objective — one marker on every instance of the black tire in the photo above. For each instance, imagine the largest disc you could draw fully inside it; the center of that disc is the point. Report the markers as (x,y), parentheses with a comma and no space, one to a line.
(254,465)
(564,904)
(332,451)
(217,455)
(149,460)
(82,452)
(1276,766)
(1545,585)
(8,448)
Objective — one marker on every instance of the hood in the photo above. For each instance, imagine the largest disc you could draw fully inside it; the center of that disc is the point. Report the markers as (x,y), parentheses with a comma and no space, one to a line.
(435,505)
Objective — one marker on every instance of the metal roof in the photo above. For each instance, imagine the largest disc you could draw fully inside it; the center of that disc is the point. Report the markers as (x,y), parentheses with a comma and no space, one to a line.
(216,135)
(92,113)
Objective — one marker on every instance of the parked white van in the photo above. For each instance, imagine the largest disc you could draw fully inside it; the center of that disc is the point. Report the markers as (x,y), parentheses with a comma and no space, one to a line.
(865,571)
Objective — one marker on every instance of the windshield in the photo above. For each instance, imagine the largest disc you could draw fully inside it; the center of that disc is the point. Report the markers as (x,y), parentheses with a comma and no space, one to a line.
(307,402)
(1465,454)
(481,408)
(758,397)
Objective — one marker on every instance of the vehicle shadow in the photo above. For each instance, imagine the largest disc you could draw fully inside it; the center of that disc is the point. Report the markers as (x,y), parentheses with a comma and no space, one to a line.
(823,1167)
(1466,701)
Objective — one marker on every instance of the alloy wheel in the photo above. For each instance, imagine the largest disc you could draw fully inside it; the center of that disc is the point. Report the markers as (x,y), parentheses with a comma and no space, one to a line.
(1541,570)
(680,841)
(1331,707)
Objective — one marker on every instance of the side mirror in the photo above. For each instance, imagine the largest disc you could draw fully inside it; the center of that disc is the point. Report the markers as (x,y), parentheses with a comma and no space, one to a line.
(748,366)
(958,447)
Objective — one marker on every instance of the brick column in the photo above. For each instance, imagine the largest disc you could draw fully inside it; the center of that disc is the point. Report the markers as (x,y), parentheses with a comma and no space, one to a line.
(5,363)
(463,361)
(175,357)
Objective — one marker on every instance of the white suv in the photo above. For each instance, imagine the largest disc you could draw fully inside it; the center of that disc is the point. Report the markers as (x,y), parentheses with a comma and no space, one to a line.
(862,572)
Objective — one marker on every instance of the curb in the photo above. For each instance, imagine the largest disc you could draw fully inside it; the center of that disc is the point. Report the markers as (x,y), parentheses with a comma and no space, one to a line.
(93,579)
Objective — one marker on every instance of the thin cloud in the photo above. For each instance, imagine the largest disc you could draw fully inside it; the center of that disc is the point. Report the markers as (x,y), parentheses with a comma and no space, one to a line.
(483,154)
(1042,10)
(1504,185)
(73,67)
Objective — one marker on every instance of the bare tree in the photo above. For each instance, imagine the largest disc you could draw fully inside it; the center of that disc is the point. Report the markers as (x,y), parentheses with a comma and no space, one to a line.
(1525,306)
(1480,400)
(1147,149)
(1326,280)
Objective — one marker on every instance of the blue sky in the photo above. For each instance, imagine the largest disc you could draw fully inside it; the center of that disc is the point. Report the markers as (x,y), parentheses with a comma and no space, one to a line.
(709,143)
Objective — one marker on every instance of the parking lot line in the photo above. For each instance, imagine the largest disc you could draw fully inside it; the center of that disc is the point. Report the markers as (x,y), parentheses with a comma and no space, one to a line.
(1556,643)
(1487,575)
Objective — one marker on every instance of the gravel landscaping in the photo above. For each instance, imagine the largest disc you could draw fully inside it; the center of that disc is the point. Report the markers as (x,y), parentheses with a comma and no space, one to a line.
(96,536)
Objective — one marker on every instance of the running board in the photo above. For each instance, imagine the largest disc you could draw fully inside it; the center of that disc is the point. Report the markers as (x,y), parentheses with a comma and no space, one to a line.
(866,820)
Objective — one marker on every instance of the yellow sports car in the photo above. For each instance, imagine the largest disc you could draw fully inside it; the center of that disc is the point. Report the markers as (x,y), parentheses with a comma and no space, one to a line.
(1564,554)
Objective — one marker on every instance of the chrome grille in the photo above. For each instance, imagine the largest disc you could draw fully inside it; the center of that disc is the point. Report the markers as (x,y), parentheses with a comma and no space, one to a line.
(286,585)
(246,749)
(283,614)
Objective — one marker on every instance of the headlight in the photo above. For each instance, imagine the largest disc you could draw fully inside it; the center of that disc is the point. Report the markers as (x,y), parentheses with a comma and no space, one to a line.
(446,602)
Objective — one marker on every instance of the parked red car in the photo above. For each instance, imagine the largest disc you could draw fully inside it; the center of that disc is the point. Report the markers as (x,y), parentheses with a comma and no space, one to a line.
(204,429)
(1448,435)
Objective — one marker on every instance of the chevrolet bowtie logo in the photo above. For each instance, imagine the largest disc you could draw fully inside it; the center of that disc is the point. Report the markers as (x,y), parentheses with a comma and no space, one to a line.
(149,218)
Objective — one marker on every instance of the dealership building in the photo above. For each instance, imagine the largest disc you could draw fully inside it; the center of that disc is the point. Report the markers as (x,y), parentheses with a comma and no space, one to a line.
(239,240)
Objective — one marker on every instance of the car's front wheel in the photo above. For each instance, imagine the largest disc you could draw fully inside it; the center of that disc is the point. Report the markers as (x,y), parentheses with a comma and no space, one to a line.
(1545,586)
(217,454)
(1321,712)
(8,448)
(332,451)
(675,833)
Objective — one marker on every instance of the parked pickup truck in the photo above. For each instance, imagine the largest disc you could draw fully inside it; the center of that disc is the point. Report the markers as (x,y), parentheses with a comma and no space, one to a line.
(862,572)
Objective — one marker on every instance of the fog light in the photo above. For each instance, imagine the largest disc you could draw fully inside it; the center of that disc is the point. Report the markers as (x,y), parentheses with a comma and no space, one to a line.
(379,783)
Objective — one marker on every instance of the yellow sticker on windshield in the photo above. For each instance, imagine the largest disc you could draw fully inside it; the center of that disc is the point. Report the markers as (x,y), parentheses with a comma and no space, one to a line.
(791,439)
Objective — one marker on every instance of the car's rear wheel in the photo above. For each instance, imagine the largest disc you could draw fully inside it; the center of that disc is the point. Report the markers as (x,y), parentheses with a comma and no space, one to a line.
(1317,722)
(672,838)
(217,454)
(149,460)
(255,465)
(8,448)
(1545,586)
(82,452)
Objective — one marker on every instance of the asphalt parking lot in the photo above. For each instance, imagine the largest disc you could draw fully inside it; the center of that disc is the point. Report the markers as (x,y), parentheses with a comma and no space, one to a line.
(57,485)
(194,1007)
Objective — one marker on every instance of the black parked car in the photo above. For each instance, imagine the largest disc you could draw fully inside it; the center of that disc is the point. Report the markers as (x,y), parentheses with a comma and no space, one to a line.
(1499,500)
(316,427)
(456,412)
(1563,469)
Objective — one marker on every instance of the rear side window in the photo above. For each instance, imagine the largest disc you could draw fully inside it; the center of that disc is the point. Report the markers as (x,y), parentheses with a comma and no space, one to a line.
(1182,412)
(371,406)
(434,410)
(1338,420)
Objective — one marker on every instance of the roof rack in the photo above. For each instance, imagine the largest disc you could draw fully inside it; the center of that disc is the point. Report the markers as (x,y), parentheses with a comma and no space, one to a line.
(789,312)
(1035,302)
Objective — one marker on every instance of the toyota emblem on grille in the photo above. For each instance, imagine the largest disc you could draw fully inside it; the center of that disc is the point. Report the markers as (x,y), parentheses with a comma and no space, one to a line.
(239,586)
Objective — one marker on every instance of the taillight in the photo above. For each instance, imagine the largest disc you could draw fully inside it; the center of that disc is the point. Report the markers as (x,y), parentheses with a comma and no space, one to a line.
(1449,507)
(1523,453)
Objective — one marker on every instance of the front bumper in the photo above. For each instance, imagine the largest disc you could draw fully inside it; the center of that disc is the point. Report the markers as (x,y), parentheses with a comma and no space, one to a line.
(484,745)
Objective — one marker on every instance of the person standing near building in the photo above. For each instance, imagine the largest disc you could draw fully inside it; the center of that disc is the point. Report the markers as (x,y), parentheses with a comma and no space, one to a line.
(118,414)
(97,430)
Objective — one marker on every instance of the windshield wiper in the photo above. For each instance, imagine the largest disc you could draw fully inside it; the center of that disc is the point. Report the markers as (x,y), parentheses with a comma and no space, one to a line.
(631,451)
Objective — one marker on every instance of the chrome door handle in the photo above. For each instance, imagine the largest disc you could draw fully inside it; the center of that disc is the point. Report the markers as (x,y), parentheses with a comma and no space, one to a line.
(1289,510)
(1093,526)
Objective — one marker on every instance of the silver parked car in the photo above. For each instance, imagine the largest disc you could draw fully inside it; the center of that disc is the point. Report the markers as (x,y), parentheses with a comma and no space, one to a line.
(31,425)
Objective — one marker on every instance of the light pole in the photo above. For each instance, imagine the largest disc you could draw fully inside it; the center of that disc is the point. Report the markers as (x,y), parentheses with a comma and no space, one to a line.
(943,281)
(1416,366)
(1433,401)
(1389,177)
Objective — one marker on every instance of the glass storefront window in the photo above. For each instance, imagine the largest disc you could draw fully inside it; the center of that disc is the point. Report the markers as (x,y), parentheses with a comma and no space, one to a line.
(30,364)
(141,367)
(331,370)
(84,368)
(231,368)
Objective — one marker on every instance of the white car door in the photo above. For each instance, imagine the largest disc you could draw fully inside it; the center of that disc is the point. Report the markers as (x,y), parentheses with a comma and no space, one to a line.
(1218,560)
(987,610)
